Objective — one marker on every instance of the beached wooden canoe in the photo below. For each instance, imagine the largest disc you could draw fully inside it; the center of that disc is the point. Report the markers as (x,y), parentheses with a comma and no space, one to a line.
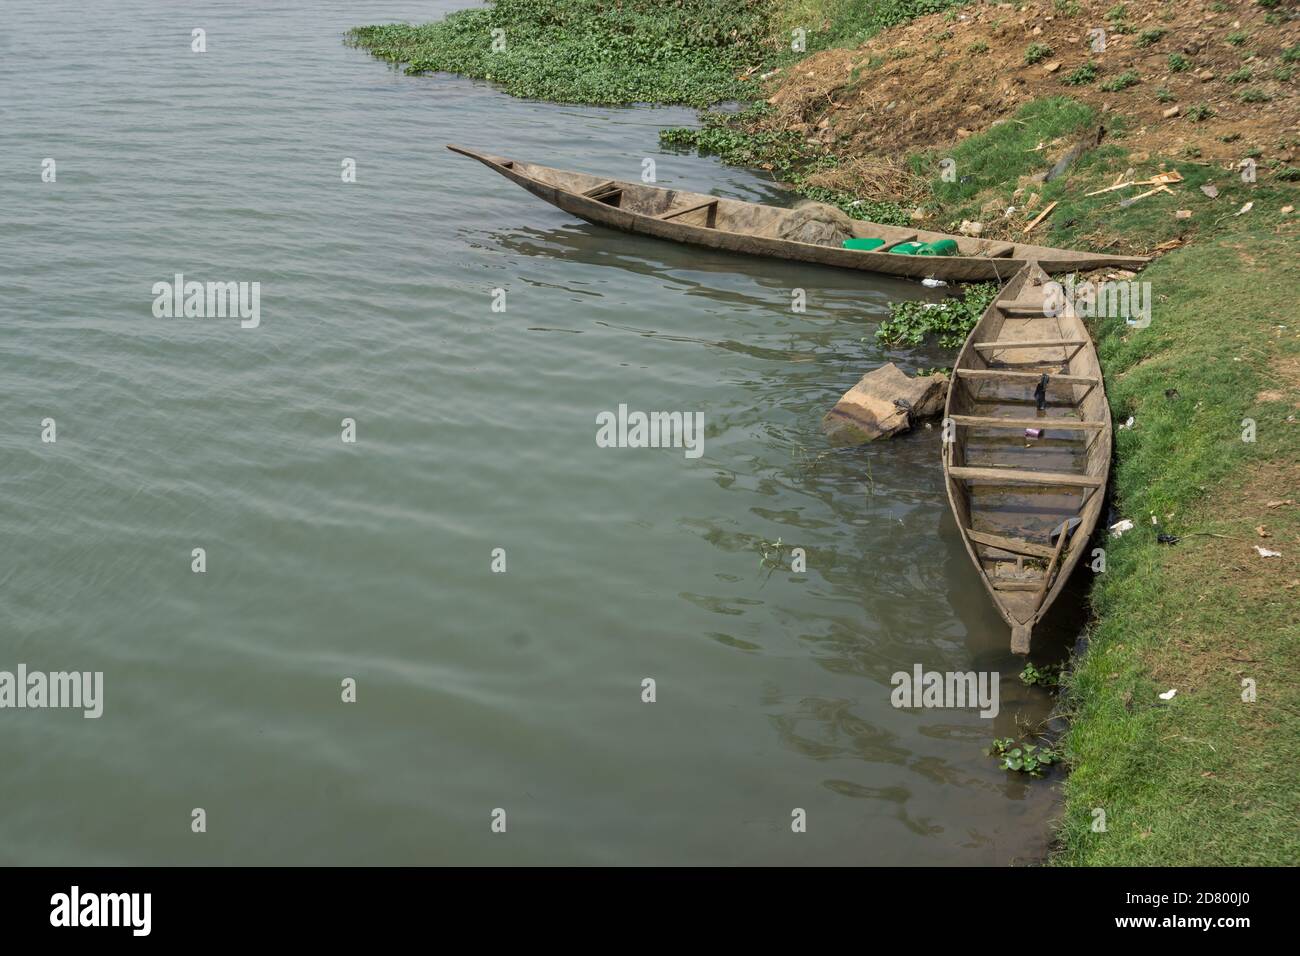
(753,228)
(1027,449)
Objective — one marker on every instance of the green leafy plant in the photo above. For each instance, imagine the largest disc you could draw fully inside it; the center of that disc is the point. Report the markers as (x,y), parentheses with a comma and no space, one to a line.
(1081,76)
(1122,82)
(1199,112)
(1179,63)
(1117,17)
(1037,52)
(911,323)
(1237,37)
(1150,37)
(1291,54)
(979,46)
(1164,96)
(1282,74)
(1254,94)
(1239,76)
(1049,676)
(1023,757)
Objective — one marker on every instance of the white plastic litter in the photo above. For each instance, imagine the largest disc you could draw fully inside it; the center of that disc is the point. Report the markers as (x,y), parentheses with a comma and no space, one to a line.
(1266,553)
(1246,208)
(1169,694)
(933,283)
(1128,424)
(1119,527)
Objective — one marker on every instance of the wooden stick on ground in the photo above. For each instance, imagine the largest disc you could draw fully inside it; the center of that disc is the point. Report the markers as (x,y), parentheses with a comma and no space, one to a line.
(1041,216)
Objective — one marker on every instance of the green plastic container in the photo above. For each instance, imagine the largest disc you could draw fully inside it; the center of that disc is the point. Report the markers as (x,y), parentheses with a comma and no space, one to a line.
(864,245)
(908,248)
(940,247)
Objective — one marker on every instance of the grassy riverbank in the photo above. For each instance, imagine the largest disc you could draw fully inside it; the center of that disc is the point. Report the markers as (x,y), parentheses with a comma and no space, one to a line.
(1003,92)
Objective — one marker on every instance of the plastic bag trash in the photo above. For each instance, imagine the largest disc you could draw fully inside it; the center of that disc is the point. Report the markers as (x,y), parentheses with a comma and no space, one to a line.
(1119,527)
(1127,424)
(933,283)
(1169,694)
(1266,553)
(1167,538)
(1245,209)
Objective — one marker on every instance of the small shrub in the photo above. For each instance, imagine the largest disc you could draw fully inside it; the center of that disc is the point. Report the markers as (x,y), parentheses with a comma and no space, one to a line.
(1239,76)
(1289,175)
(1179,63)
(1237,37)
(1254,94)
(1122,82)
(1083,75)
(1117,17)
(1164,96)
(1282,74)
(1149,37)
(979,46)
(1291,54)
(1037,52)
(1199,112)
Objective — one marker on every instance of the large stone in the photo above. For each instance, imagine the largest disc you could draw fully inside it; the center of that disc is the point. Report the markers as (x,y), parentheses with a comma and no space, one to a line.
(885,401)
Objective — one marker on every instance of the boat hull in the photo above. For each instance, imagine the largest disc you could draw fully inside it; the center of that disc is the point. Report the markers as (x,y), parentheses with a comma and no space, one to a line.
(960,268)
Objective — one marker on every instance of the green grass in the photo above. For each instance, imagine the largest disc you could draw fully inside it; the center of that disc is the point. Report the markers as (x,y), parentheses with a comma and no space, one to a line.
(840,23)
(586,51)
(1004,152)
(1121,82)
(1205,778)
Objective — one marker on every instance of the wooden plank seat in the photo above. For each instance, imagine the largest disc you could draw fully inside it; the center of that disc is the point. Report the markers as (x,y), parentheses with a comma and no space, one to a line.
(1060,424)
(709,204)
(999,250)
(910,237)
(1014,545)
(1027,377)
(1016,476)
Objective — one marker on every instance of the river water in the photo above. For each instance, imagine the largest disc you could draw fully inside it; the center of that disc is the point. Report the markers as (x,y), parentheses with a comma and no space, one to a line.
(325,560)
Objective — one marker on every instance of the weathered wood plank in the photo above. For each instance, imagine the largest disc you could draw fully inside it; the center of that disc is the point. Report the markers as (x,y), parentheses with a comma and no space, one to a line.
(1016,476)
(1017,545)
(1059,424)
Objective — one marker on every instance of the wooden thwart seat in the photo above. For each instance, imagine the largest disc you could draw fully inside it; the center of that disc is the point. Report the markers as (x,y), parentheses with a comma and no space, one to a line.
(1024,310)
(1060,424)
(910,237)
(1016,545)
(1016,476)
(710,204)
(1000,374)
(1031,344)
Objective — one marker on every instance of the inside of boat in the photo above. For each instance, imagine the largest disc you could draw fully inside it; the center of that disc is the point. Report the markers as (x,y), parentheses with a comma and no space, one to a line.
(1028,456)
(747,218)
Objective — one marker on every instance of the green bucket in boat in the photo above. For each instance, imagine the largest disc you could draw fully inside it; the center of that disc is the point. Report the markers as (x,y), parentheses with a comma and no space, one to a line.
(908,248)
(863,245)
(940,247)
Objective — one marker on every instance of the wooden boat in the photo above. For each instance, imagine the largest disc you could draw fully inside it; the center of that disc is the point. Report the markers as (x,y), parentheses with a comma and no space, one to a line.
(753,228)
(1026,506)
